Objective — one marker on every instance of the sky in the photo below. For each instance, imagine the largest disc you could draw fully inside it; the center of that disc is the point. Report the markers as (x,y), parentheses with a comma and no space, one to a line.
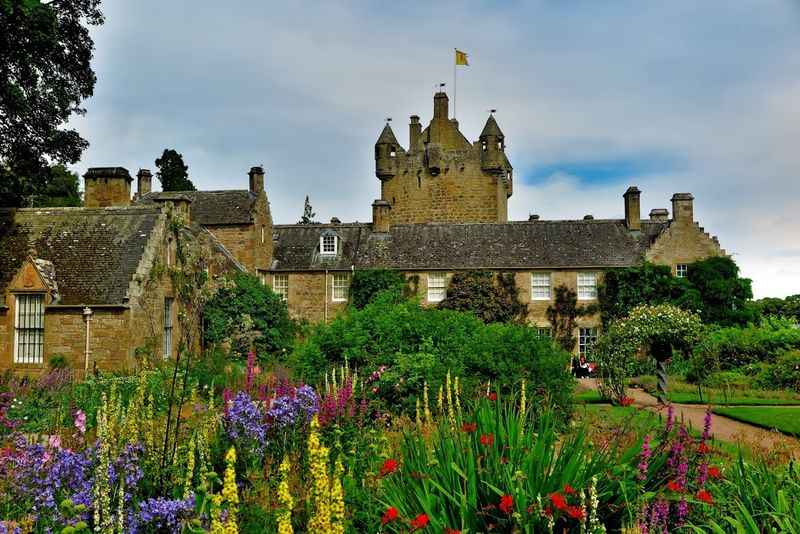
(679,96)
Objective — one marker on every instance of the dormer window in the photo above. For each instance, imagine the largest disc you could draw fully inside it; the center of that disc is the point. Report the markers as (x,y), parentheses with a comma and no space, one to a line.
(328,244)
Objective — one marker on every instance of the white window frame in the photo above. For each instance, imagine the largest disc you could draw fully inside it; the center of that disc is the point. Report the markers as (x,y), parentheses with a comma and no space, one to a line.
(541,284)
(681,270)
(340,287)
(587,338)
(29,328)
(544,331)
(168,327)
(587,286)
(328,244)
(437,286)
(280,285)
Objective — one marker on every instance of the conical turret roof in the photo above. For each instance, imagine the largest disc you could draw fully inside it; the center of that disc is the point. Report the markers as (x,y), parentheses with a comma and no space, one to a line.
(387,136)
(491,128)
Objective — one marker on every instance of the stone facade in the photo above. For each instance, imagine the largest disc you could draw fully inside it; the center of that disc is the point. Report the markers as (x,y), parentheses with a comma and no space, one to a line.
(310,295)
(107,186)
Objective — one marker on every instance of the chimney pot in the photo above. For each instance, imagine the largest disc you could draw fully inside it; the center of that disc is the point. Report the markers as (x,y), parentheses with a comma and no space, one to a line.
(381,216)
(144,182)
(256,175)
(683,207)
(414,134)
(106,187)
(659,214)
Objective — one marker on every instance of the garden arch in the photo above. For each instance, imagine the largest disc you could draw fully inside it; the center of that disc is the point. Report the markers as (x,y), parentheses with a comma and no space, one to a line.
(658,330)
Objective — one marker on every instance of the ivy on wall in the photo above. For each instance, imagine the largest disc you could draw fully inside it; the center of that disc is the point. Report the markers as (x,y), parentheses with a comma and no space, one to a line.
(368,283)
(563,315)
(492,298)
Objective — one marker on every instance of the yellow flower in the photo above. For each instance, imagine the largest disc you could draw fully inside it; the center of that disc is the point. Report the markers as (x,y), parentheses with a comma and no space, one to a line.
(320,487)
(337,499)
(425,402)
(285,499)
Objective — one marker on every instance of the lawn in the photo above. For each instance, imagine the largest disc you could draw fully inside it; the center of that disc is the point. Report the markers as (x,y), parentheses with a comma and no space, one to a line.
(784,419)
(681,392)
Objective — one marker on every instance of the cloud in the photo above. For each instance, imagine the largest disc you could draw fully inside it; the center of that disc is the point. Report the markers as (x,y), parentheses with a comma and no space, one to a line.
(592,97)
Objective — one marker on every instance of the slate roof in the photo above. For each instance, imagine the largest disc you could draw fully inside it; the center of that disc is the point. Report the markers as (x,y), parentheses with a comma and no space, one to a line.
(210,208)
(514,245)
(94,251)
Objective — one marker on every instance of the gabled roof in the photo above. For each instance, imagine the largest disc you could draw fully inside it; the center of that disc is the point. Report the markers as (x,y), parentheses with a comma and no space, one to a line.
(210,208)
(91,254)
(515,245)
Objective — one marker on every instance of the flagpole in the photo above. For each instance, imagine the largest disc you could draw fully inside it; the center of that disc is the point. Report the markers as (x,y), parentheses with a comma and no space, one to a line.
(455,85)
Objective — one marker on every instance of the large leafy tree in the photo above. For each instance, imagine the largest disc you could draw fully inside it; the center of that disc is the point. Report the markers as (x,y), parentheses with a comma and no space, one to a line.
(45,74)
(493,299)
(173,173)
(719,294)
(61,189)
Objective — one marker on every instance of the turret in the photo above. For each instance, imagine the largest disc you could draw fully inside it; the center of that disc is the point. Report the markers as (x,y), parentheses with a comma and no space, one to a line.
(387,152)
(492,146)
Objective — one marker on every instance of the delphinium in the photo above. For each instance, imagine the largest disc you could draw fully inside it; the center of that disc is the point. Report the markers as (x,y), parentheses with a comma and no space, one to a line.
(244,422)
(294,405)
(161,515)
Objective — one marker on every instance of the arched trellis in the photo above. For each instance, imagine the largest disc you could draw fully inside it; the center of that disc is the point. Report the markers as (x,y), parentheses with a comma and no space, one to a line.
(658,330)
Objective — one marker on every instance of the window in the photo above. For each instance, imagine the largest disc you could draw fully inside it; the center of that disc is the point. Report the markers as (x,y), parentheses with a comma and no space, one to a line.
(586,340)
(262,234)
(280,285)
(543,331)
(437,287)
(327,244)
(341,286)
(587,286)
(681,269)
(392,152)
(167,327)
(29,329)
(540,286)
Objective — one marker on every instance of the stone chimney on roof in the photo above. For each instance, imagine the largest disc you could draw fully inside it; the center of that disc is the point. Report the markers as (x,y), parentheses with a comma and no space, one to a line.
(633,214)
(256,175)
(107,187)
(659,215)
(381,216)
(144,182)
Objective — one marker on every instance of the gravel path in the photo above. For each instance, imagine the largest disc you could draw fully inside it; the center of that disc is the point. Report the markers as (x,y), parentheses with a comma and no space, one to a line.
(723,428)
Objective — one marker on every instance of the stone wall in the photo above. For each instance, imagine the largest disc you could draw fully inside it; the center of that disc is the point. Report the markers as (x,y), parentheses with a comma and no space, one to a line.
(683,242)
(105,192)
(307,296)
(239,240)
(461,193)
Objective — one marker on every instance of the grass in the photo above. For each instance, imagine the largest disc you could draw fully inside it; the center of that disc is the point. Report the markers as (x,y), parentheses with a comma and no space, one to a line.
(781,418)
(681,392)
(588,397)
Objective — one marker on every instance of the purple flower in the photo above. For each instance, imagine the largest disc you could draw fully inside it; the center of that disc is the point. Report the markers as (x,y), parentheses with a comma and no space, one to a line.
(295,406)
(644,458)
(162,515)
(707,425)
(80,421)
(244,421)
(682,512)
(670,418)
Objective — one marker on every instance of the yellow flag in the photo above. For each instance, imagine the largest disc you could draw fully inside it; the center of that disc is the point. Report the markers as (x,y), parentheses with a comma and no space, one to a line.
(461,58)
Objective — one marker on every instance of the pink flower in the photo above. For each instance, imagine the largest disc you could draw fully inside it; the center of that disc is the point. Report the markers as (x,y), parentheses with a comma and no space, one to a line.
(54,441)
(80,421)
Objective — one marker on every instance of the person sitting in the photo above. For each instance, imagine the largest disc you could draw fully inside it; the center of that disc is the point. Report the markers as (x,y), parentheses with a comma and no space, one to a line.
(582,369)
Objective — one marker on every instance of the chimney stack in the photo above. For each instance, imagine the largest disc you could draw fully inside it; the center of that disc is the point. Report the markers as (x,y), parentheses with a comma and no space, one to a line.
(381,214)
(256,175)
(683,207)
(414,133)
(107,187)
(659,215)
(144,182)
(440,105)
(633,215)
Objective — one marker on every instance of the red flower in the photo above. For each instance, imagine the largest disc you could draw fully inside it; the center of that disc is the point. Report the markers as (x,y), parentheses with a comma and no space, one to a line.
(506,504)
(492,396)
(451,531)
(419,522)
(389,467)
(558,501)
(487,440)
(569,490)
(714,472)
(389,516)
(469,427)
(548,511)
(705,496)
(674,486)
(703,448)
(626,401)
(575,512)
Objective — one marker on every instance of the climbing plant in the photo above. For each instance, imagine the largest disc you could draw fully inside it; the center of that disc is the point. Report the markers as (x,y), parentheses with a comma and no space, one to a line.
(492,298)
(368,283)
(563,314)
(648,331)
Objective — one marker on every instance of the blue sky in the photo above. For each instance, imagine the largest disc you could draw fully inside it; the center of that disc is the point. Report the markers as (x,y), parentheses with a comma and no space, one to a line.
(592,96)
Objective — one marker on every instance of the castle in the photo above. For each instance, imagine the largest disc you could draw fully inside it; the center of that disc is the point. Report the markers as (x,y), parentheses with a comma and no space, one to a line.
(73,281)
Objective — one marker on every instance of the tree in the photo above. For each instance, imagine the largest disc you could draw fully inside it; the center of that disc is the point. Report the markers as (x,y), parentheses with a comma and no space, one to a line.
(788,307)
(721,296)
(308,214)
(493,300)
(172,172)
(45,74)
(61,189)
(368,283)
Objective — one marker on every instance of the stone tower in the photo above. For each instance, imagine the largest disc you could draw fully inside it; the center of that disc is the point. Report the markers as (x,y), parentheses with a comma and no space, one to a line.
(443,177)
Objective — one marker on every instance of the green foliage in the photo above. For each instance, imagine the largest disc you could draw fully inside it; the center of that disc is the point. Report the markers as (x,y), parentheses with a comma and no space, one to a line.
(492,299)
(368,283)
(562,315)
(61,190)
(712,288)
(246,311)
(788,308)
(624,289)
(664,327)
(723,296)
(308,214)
(783,374)
(58,361)
(724,349)
(426,343)
(172,172)
(45,74)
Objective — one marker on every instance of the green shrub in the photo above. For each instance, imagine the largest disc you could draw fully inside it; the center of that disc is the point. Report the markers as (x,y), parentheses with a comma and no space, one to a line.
(246,311)
(58,361)
(783,374)
(724,349)
(491,298)
(368,283)
(727,379)
(419,344)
